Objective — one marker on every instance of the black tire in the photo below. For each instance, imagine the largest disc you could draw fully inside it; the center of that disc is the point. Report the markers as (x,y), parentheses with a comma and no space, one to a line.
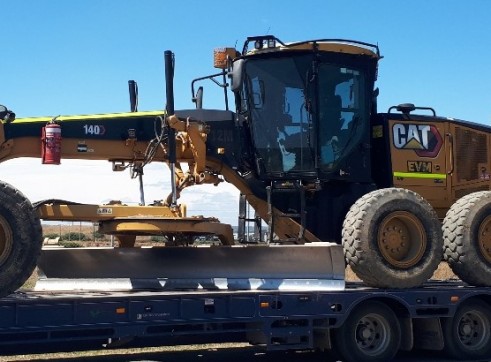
(20,239)
(468,334)
(370,333)
(392,238)
(467,238)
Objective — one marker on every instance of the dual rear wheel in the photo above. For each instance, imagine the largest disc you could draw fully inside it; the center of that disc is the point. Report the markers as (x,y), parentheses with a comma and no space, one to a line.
(372,332)
(468,334)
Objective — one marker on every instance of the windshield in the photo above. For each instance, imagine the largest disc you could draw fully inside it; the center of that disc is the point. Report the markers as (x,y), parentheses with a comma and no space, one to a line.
(301,119)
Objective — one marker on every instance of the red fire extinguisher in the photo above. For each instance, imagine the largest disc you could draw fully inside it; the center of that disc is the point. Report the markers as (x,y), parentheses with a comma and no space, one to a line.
(51,143)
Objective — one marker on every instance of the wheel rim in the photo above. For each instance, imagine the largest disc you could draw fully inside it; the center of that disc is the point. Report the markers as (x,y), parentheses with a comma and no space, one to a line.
(401,239)
(484,239)
(473,330)
(372,334)
(6,240)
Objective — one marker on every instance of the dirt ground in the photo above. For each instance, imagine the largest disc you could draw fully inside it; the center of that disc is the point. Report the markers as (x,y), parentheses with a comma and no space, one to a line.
(216,352)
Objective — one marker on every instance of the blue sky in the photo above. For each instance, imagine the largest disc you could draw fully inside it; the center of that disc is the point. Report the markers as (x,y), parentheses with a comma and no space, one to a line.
(75,57)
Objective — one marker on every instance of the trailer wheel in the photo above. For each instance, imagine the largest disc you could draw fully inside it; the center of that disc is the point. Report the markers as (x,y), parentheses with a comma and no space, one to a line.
(468,334)
(370,333)
(20,239)
(392,238)
(467,238)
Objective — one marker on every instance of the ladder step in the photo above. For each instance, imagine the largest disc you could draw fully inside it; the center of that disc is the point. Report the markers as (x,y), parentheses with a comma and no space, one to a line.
(297,188)
(285,190)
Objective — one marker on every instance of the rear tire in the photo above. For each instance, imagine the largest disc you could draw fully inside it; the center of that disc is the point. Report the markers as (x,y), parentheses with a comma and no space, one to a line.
(20,239)
(467,238)
(370,333)
(392,238)
(468,334)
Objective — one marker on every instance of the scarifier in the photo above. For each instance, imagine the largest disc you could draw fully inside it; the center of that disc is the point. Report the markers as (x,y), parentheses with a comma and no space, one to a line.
(307,150)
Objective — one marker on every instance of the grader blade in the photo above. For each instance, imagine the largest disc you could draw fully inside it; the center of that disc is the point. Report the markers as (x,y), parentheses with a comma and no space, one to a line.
(299,267)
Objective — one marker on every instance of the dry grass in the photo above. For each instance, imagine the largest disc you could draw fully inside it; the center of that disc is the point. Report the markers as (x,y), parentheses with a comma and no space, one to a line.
(31,282)
(64,228)
(160,353)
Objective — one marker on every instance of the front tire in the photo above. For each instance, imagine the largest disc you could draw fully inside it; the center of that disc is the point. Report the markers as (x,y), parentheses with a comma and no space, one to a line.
(467,238)
(20,239)
(392,238)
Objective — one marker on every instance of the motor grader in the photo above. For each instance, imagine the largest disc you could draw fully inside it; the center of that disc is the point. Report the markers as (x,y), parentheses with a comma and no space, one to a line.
(305,146)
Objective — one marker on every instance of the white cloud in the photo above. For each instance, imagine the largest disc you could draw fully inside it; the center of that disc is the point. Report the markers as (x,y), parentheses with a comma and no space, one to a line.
(94,182)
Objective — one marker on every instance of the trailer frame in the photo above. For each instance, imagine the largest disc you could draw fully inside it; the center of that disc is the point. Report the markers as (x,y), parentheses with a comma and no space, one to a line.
(279,320)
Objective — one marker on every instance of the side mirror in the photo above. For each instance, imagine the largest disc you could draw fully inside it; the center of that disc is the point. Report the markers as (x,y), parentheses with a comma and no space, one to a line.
(199,98)
(237,75)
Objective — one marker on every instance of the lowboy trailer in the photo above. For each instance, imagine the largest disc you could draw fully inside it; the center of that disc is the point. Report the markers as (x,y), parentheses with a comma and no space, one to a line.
(361,323)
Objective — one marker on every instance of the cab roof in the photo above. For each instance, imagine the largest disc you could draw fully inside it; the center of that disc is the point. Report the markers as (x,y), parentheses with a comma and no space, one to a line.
(269,43)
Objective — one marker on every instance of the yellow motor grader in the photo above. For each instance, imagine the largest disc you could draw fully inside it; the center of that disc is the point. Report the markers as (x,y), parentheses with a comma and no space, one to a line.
(305,146)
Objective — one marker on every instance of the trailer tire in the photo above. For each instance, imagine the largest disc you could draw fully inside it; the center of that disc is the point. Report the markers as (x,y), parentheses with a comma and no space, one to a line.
(468,334)
(20,239)
(392,238)
(370,333)
(467,238)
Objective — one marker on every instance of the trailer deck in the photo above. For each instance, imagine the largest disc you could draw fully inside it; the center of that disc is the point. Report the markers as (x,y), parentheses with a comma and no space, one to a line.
(276,319)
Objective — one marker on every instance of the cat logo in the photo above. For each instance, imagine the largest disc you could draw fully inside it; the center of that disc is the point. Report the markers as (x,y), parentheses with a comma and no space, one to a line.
(424,139)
